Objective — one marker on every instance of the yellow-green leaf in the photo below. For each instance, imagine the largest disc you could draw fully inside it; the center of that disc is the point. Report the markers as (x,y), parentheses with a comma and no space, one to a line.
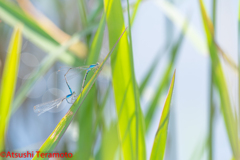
(160,140)
(9,80)
(163,84)
(136,6)
(85,117)
(130,118)
(219,80)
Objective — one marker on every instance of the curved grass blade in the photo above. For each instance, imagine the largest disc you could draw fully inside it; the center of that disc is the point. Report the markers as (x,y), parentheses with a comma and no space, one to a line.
(84,116)
(9,80)
(178,19)
(52,141)
(164,82)
(110,142)
(110,138)
(97,42)
(83,13)
(136,6)
(95,13)
(239,63)
(160,140)
(79,48)
(211,101)
(219,80)
(43,68)
(133,145)
(12,15)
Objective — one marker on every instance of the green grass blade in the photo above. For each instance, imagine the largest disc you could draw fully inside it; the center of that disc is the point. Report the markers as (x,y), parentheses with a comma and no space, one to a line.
(136,94)
(239,61)
(178,19)
(96,12)
(160,140)
(123,74)
(84,19)
(97,42)
(219,80)
(52,141)
(211,103)
(12,15)
(163,83)
(43,68)
(86,121)
(110,143)
(136,6)
(9,80)
(83,13)
(85,117)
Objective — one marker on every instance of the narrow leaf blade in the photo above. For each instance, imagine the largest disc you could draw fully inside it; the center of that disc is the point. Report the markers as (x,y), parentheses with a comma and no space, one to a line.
(9,80)
(219,80)
(160,140)
(52,141)
(130,119)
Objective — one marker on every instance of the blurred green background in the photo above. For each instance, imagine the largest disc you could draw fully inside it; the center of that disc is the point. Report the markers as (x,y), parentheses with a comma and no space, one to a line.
(133,106)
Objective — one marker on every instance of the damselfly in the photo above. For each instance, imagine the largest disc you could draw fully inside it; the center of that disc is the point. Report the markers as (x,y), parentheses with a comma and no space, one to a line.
(86,68)
(41,108)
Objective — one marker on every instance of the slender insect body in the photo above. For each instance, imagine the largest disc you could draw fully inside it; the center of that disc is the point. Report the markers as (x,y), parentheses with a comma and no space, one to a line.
(70,98)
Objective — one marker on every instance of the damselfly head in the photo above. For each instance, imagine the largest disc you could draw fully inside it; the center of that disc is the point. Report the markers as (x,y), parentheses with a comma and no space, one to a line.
(74,93)
(97,65)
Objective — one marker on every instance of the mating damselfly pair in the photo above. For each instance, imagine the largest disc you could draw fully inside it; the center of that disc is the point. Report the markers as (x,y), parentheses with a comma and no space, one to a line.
(70,98)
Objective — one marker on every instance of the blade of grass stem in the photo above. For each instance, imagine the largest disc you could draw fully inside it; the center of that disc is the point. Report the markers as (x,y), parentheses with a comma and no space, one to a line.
(122,60)
(219,80)
(136,6)
(52,141)
(211,104)
(160,140)
(96,12)
(164,82)
(136,99)
(178,19)
(84,20)
(85,117)
(239,62)
(82,11)
(97,42)
(110,142)
(9,80)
